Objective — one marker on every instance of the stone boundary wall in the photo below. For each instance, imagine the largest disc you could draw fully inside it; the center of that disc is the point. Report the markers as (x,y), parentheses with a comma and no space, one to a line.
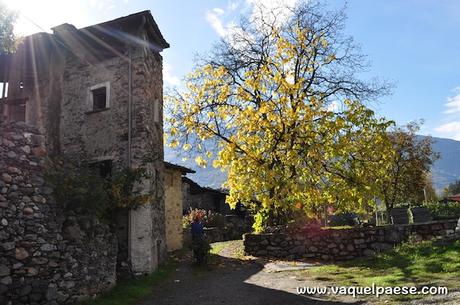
(234,228)
(46,256)
(341,244)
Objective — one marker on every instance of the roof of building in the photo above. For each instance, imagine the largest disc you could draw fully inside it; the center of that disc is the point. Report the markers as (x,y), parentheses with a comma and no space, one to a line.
(455,197)
(195,188)
(93,43)
(183,169)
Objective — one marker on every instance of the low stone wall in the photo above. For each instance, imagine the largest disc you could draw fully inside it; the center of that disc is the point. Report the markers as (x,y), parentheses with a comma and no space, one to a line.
(234,228)
(46,257)
(341,244)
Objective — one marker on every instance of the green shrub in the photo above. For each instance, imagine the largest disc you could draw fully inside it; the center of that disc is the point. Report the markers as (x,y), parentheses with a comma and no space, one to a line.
(441,210)
(210,219)
(213,219)
(81,189)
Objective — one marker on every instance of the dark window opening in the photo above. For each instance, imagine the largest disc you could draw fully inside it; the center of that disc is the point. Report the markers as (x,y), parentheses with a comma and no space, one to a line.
(102,168)
(99,98)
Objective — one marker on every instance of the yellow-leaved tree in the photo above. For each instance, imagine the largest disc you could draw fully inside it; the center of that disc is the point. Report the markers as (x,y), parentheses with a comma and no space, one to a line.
(277,105)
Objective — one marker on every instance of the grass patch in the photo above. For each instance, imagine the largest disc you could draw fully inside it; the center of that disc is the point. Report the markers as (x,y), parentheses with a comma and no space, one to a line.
(131,291)
(230,249)
(410,264)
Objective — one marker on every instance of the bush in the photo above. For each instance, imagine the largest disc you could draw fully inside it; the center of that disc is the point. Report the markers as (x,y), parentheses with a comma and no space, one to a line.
(210,219)
(213,219)
(446,210)
(79,188)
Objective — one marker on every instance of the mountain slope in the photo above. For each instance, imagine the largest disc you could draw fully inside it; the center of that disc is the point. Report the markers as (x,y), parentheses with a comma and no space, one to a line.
(445,170)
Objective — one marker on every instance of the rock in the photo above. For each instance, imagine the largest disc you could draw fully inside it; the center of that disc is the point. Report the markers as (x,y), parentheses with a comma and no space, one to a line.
(31,271)
(11,154)
(38,199)
(6,280)
(21,254)
(69,284)
(53,264)
(369,252)
(68,274)
(39,260)
(13,170)
(28,211)
(4,270)
(7,178)
(8,246)
(8,143)
(4,222)
(48,247)
(26,149)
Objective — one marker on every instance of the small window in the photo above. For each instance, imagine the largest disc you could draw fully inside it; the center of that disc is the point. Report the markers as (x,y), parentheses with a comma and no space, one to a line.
(99,97)
(102,168)
(4,89)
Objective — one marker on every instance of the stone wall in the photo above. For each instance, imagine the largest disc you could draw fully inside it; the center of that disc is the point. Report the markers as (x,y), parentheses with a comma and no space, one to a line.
(46,256)
(340,244)
(233,229)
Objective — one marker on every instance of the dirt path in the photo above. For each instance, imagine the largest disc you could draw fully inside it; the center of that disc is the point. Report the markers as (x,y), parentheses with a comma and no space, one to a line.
(233,280)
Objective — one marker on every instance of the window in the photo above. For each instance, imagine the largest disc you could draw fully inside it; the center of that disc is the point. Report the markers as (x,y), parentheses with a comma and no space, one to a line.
(102,168)
(3,89)
(99,97)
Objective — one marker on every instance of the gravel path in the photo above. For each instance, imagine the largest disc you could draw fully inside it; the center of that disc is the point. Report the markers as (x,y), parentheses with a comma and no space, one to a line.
(246,282)
(231,282)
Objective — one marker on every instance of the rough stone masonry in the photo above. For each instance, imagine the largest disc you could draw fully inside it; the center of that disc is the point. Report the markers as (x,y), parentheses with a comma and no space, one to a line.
(45,256)
(341,244)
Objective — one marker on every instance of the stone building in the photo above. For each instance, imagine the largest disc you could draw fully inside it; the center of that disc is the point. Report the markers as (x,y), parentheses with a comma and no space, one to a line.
(173,204)
(200,197)
(97,93)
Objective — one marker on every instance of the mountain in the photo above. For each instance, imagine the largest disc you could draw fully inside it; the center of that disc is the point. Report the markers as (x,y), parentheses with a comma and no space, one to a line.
(447,169)
(444,171)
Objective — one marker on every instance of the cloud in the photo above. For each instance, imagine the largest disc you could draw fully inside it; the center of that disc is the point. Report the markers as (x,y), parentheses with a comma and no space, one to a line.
(168,77)
(214,18)
(224,21)
(451,130)
(272,11)
(453,103)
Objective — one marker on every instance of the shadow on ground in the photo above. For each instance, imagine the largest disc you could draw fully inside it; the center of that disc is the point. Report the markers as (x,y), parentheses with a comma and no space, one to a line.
(229,281)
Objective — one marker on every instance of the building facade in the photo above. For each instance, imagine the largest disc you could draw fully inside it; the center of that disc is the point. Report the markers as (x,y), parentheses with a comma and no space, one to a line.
(96,94)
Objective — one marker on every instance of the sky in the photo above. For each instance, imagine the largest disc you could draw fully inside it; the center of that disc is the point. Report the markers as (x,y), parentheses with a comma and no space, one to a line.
(412,43)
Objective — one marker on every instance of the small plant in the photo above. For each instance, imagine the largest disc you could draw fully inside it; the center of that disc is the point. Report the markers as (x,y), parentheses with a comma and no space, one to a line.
(213,219)
(81,189)
(209,218)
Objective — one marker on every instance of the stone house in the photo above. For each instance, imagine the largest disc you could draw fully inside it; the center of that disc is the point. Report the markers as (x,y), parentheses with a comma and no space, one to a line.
(173,204)
(97,93)
(200,197)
